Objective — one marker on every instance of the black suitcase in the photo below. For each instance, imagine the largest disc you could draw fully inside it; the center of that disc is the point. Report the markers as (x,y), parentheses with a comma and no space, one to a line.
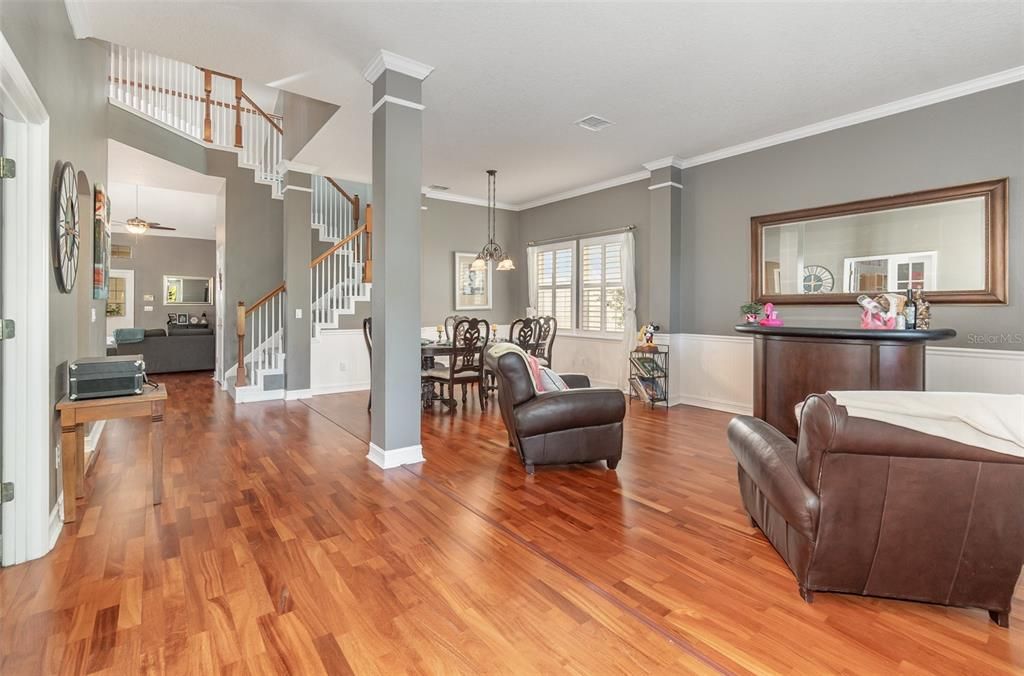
(96,377)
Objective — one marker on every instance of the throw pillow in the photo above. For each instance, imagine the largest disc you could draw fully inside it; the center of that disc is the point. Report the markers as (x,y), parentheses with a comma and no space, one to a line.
(551,381)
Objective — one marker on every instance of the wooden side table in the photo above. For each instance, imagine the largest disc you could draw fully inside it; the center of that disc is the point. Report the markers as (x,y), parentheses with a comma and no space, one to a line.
(74,415)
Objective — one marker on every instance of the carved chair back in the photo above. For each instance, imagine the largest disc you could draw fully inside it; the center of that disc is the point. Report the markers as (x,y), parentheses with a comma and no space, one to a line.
(470,338)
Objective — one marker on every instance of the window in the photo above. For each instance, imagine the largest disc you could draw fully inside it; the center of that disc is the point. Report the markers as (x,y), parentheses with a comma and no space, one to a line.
(115,297)
(602,295)
(890,272)
(588,296)
(555,282)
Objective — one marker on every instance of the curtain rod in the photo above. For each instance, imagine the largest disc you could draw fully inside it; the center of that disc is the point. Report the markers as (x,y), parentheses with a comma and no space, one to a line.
(579,236)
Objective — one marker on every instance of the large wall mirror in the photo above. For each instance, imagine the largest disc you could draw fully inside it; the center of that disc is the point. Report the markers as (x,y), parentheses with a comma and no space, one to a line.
(181,290)
(951,243)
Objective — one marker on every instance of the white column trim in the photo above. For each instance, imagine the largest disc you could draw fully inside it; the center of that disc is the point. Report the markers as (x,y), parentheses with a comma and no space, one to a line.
(385,60)
(387,98)
(665,185)
(395,457)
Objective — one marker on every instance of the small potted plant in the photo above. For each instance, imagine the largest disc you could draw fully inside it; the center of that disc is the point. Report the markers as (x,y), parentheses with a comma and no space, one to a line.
(752,312)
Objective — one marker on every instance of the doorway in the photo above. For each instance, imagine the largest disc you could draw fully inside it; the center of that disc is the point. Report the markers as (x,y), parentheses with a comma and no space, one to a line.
(120,301)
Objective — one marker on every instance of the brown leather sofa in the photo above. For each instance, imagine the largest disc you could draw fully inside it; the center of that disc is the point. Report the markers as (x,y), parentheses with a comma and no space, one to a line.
(581,424)
(863,507)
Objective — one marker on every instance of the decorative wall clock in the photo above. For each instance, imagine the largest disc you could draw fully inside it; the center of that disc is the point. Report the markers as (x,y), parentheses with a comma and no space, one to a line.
(66,235)
(818,279)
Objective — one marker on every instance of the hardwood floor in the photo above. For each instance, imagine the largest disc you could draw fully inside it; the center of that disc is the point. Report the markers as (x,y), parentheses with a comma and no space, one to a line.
(279,548)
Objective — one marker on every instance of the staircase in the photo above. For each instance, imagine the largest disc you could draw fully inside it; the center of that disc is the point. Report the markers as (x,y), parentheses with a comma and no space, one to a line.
(212,108)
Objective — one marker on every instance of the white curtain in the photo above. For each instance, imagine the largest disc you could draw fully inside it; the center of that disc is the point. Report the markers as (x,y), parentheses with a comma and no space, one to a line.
(531,280)
(629,320)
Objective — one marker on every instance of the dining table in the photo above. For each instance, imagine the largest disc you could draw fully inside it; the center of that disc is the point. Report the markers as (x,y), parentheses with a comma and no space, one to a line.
(430,350)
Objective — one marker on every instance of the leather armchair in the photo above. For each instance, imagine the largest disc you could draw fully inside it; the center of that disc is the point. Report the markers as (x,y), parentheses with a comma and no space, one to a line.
(864,507)
(581,424)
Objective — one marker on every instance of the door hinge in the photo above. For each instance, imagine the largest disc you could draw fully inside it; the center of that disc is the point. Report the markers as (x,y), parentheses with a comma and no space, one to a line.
(6,491)
(8,167)
(6,329)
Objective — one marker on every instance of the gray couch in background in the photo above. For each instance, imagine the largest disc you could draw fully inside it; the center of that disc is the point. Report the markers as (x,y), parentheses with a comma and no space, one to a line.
(185,349)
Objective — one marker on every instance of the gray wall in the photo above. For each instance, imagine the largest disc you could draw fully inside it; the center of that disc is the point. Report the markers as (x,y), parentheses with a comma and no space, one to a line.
(616,207)
(449,227)
(254,222)
(152,258)
(69,75)
(964,140)
(968,139)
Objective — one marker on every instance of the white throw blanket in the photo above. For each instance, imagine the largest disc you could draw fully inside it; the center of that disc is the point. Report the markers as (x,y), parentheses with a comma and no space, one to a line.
(991,421)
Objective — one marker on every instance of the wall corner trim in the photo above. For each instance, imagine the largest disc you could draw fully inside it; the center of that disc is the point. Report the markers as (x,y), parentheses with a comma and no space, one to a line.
(395,457)
(665,185)
(385,60)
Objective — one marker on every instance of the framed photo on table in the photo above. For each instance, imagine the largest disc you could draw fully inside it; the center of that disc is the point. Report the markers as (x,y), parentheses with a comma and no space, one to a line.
(472,287)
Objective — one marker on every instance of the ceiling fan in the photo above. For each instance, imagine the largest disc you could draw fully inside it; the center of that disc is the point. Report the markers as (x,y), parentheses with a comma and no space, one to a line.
(139,226)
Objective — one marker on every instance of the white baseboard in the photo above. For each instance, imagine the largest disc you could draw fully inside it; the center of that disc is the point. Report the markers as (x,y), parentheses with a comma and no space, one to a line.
(395,457)
(56,521)
(292,395)
(341,388)
(243,395)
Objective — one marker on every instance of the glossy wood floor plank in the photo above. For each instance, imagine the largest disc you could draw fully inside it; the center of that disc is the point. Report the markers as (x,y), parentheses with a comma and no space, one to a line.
(280,549)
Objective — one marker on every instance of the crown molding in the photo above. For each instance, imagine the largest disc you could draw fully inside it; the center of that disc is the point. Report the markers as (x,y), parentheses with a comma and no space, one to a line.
(78,15)
(465,199)
(385,60)
(974,86)
(670,161)
(980,84)
(576,192)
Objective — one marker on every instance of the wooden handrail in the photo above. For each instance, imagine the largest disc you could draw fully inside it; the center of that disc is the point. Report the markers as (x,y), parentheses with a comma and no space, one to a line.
(368,250)
(262,112)
(348,238)
(183,95)
(352,199)
(263,299)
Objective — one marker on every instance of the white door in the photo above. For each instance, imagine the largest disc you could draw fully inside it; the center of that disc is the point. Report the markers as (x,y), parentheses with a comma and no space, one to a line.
(121,301)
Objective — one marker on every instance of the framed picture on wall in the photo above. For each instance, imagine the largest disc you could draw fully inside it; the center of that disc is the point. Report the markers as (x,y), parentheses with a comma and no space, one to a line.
(472,287)
(101,243)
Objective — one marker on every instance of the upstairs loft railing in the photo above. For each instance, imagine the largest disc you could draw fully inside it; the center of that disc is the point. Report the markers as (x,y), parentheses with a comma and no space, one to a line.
(202,103)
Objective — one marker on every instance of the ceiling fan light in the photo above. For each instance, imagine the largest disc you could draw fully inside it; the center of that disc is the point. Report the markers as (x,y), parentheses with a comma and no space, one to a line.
(136,226)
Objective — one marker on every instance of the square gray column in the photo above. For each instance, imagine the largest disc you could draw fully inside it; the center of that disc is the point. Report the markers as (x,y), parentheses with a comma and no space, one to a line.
(395,296)
(298,234)
(667,267)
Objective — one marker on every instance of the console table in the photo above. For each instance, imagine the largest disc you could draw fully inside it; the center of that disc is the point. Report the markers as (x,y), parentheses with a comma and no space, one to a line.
(74,415)
(791,362)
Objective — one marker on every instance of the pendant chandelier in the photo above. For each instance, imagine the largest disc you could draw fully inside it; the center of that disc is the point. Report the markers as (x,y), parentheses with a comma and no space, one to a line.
(492,251)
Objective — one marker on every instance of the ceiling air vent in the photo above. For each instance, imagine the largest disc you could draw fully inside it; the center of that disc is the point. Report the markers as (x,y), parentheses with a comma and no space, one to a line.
(593,123)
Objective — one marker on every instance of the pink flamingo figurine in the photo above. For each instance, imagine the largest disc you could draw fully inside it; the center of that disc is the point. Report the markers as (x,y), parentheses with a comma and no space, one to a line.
(771,316)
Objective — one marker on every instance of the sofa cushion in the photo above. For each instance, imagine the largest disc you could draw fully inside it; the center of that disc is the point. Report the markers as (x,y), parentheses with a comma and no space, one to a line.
(152,333)
(190,331)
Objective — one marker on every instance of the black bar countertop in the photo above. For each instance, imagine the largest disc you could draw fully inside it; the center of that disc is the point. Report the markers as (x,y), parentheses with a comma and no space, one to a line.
(906,335)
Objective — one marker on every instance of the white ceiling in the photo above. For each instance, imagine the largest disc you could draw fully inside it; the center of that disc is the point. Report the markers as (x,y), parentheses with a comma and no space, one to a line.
(164,192)
(510,78)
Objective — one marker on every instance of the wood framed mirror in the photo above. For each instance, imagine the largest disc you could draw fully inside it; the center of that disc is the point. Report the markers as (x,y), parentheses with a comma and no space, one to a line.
(950,242)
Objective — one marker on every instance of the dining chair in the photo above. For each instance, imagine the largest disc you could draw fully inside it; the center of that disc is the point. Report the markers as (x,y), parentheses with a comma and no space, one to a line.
(469,339)
(449,325)
(368,338)
(544,339)
(522,332)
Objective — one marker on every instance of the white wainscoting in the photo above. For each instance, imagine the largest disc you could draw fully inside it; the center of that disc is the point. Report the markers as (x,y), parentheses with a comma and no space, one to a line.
(717,371)
(338,362)
(704,370)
